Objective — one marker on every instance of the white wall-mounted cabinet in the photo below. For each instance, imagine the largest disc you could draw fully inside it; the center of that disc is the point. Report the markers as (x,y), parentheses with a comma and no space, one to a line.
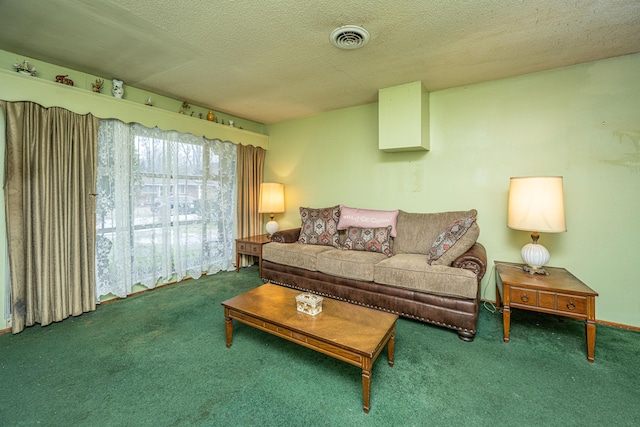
(403,118)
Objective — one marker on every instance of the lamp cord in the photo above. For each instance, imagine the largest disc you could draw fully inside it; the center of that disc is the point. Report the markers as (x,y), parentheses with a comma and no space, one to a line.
(488,305)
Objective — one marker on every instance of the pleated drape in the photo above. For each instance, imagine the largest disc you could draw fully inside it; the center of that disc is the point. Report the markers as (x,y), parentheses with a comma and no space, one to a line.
(250,170)
(50,178)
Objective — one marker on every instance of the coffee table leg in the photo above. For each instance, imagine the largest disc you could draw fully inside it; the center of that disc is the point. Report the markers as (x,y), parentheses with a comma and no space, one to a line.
(228,325)
(366,383)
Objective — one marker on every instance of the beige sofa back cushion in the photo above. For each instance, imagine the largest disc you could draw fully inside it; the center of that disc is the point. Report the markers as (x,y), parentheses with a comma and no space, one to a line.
(417,231)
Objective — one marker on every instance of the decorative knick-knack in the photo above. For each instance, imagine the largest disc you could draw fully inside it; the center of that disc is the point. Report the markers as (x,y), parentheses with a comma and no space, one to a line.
(24,68)
(210,116)
(97,86)
(117,89)
(149,103)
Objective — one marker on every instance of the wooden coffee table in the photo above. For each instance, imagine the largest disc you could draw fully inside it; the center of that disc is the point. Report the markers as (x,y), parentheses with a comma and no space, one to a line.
(348,332)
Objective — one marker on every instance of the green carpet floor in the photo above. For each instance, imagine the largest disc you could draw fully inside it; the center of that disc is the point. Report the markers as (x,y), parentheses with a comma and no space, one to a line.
(159,359)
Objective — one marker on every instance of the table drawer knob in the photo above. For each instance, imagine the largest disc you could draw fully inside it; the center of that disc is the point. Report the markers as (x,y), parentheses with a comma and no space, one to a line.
(524,298)
(571,305)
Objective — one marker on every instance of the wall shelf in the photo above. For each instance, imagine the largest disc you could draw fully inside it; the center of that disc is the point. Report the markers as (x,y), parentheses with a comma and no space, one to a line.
(19,87)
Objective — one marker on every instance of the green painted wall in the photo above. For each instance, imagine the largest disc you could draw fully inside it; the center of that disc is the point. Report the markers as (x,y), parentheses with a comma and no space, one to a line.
(581,122)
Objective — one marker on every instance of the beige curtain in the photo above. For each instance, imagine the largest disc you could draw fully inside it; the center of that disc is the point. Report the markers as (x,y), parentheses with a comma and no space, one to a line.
(250,169)
(49,186)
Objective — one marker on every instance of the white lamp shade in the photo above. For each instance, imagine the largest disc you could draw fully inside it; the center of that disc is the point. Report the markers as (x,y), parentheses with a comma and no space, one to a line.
(536,203)
(271,198)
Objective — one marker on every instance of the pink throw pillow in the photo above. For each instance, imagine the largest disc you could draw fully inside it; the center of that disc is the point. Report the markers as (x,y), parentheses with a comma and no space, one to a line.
(367,218)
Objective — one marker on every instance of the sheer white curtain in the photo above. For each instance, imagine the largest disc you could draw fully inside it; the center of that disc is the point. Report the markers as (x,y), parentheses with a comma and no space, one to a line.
(165,206)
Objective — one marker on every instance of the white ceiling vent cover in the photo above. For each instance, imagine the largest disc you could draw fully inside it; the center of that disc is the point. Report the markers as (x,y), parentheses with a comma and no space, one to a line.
(349,37)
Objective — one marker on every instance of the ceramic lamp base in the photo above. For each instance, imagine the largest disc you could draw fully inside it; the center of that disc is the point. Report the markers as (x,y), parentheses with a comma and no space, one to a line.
(272,227)
(536,256)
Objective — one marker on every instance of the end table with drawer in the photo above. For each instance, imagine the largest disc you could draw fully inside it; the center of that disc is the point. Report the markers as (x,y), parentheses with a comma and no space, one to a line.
(559,293)
(251,245)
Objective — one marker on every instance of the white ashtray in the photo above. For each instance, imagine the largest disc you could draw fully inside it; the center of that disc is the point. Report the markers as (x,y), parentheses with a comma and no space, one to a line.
(309,303)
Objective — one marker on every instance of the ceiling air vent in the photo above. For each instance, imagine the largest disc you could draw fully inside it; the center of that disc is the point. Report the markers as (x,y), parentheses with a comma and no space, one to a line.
(349,37)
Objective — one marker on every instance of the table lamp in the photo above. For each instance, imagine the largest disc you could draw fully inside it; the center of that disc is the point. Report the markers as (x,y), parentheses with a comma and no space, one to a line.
(536,204)
(271,202)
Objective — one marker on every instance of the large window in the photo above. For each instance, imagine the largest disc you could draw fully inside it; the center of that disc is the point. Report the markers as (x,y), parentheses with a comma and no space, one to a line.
(165,206)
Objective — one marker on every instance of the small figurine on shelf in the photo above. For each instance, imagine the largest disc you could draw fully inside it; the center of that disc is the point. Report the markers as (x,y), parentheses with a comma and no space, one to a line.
(23,68)
(231,123)
(117,90)
(149,103)
(98,85)
(210,116)
(64,80)
(185,106)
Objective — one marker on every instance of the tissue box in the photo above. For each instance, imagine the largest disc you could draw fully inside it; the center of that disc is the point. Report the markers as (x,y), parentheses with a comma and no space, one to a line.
(309,303)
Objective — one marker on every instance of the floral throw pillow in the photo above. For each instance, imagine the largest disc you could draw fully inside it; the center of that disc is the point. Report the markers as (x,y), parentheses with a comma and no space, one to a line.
(368,239)
(449,237)
(320,226)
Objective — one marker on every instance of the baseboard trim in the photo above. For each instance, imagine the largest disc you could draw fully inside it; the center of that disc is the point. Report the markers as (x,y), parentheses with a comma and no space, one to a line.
(143,291)
(618,325)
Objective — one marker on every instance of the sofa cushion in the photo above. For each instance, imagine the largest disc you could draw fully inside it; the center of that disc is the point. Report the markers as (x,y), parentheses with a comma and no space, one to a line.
(368,239)
(411,271)
(294,254)
(462,245)
(320,226)
(357,265)
(417,231)
(367,218)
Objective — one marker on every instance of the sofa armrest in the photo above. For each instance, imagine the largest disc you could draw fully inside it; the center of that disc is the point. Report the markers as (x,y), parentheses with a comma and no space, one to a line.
(475,259)
(286,236)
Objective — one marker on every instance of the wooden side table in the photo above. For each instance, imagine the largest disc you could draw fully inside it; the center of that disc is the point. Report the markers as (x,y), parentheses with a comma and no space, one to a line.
(559,293)
(251,245)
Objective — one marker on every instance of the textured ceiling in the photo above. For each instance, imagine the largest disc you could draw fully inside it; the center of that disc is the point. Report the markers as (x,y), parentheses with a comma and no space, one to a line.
(272,61)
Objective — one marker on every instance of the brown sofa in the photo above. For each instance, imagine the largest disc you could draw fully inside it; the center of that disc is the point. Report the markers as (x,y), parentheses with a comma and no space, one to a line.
(446,293)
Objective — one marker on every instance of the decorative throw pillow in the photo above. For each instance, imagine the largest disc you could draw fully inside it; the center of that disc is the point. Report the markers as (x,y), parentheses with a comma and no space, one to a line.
(449,237)
(367,218)
(319,226)
(368,239)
